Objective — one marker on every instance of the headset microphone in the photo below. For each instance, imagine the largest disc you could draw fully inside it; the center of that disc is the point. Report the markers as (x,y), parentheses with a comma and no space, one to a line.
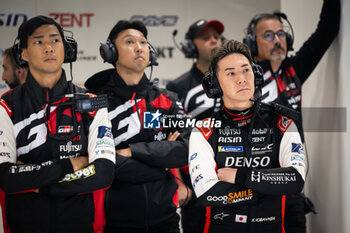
(176,44)
(175,32)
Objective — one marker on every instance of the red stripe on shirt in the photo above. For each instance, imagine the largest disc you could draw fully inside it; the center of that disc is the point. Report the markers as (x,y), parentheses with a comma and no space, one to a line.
(283,208)
(99,218)
(207,219)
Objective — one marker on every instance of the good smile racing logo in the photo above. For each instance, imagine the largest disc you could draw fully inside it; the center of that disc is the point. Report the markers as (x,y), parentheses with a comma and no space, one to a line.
(232,198)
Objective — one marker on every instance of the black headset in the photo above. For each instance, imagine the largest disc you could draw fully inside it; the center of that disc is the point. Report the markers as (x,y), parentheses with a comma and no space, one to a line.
(212,87)
(70,50)
(250,37)
(189,49)
(109,53)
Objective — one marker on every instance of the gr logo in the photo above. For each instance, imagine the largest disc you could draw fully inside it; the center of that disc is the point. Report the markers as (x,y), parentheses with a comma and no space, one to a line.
(153,20)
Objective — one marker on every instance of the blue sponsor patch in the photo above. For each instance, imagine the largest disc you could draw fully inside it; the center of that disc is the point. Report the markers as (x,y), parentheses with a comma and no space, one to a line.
(104,131)
(151,120)
(297,148)
(197,179)
(230,148)
(193,156)
(5,154)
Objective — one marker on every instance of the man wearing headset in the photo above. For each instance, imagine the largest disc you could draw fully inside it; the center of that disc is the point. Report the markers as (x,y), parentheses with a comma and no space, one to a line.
(284,76)
(242,169)
(55,161)
(13,74)
(201,38)
(141,199)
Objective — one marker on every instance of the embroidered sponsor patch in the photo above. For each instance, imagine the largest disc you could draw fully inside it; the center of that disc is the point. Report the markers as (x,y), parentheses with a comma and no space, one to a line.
(104,131)
(80,174)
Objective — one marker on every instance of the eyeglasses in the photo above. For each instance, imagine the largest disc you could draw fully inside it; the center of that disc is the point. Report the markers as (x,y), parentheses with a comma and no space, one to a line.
(270,35)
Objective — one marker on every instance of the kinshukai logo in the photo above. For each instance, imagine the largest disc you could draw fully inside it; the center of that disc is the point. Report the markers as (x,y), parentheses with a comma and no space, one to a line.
(151,120)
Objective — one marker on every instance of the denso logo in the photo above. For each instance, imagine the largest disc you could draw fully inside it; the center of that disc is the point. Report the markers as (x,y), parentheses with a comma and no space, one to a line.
(12,20)
(247,162)
(153,20)
(67,20)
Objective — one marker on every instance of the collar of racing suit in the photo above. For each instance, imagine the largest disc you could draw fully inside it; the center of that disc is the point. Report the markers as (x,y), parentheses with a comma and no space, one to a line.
(119,87)
(110,81)
(41,95)
(246,117)
(234,115)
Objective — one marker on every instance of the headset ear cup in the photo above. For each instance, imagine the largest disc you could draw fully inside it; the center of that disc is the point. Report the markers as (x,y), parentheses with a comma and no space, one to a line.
(258,80)
(70,50)
(152,56)
(290,41)
(17,55)
(211,86)
(258,75)
(207,85)
(250,41)
(109,52)
(67,52)
(195,51)
(189,49)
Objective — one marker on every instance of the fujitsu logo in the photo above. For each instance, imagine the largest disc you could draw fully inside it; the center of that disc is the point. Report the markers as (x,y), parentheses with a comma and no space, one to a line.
(227,131)
(69,147)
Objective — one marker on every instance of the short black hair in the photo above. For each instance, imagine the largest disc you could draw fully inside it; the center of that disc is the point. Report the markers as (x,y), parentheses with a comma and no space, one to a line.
(27,28)
(125,24)
(229,47)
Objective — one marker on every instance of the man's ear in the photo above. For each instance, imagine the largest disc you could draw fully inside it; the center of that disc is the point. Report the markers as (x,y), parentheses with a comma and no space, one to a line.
(22,74)
(24,55)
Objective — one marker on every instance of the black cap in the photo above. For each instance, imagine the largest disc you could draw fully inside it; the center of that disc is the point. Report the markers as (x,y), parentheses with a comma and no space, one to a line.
(198,26)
